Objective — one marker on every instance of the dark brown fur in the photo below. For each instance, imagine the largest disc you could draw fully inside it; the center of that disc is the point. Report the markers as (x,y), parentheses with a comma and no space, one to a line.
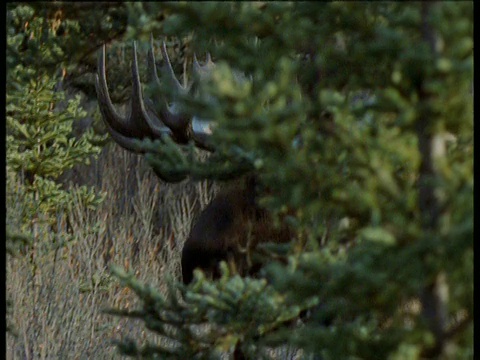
(227,229)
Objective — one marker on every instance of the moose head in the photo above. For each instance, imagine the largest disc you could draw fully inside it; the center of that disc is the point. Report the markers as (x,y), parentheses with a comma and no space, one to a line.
(233,222)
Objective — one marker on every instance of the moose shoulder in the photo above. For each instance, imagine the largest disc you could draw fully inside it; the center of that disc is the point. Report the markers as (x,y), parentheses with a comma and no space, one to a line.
(233,223)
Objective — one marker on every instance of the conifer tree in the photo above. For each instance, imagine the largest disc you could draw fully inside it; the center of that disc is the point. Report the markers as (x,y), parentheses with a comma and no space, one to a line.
(359,120)
(50,52)
(40,143)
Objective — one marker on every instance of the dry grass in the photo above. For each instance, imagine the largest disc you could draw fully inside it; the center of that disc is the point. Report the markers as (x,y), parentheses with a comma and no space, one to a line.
(58,293)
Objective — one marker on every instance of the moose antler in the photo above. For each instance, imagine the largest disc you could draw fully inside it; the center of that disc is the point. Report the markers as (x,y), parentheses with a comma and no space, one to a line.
(148,119)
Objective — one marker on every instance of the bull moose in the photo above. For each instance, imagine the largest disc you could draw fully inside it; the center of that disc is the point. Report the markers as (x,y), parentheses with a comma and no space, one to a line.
(233,221)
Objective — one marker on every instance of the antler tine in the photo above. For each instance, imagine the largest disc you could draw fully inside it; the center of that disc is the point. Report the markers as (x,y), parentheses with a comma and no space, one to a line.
(171,73)
(209,58)
(138,116)
(151,67)
(178,123)
(137,107)
(110,115)
(138,124)
(127,143)
(196,64)
(202,69)
(160,107)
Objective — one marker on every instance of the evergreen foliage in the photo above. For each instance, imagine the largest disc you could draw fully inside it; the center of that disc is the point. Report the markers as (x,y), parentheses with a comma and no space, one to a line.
(40,145)
(208,319)
(60,36)
(358,119)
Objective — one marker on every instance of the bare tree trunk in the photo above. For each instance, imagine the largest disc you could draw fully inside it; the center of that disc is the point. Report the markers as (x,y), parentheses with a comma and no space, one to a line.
(431,147)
